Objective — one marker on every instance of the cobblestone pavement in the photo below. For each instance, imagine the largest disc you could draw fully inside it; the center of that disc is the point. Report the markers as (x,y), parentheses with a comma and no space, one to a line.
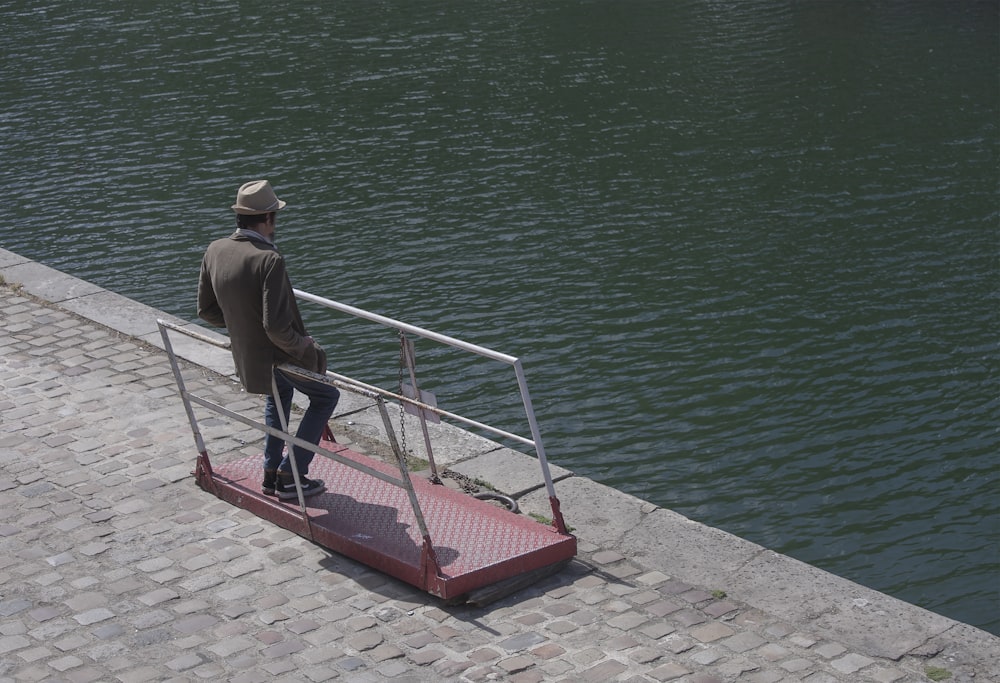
(114,566)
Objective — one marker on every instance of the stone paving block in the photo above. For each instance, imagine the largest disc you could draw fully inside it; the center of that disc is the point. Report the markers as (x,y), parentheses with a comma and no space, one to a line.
(420,640)
(86,600)
(108,631)
(366,640)
(282,575)
(646,655)
(322,653)
(12,643)
(676,643)
(594,597)
(822,677)
(624,641)
(706,657)
(674,587)
(237,569)
(800,640)
(447,669)
(446,633)
(93,616)
(562,627)
(189,606)
(91,549)
(744,642)
(765,677)
(851,663)
(711,632)
(513,665)
(616,606)
(425,656)
(668,672)
(483,655)
(65,663)
(695,596)
(607,557)
(590,581)
(623,571)
(385,651)
(167,575)
(124,584)
(884,674)
(194,623)
(522,641)
(653,578)
(688,618)
(736,666)
(200,582)
(33,673)
(317,674)
(588,655)
(830,650)
(531,619)
(34,654)
(584,617)
(44,613)
(627,622)
(283,648)
(302,626)
(185,662)
(561,609)
(605,671)
(360,623)
(252,677)
(796,665)
(719,608)
(528,676)
(773,652)
(662,608)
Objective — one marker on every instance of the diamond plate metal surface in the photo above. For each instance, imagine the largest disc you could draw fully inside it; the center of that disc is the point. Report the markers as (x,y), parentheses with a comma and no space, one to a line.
(475,542)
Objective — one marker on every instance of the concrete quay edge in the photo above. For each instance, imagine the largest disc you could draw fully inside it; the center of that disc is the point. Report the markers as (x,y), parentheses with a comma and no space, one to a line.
(621,538)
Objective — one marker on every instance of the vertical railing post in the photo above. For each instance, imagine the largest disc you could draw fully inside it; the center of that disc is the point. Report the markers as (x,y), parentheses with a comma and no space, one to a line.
(203,467)
(290,450)
(409,356)
(522,383)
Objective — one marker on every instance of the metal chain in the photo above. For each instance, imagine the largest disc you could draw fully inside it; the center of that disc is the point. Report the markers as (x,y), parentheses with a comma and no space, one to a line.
(402,411)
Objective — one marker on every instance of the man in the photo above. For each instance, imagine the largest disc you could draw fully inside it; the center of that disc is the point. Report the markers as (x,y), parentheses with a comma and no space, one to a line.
(244,287)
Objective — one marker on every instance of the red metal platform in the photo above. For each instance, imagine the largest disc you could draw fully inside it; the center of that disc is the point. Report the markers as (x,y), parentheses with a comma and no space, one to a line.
(472,543)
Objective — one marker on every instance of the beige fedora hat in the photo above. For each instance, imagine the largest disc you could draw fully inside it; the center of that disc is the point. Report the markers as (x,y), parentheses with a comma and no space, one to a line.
(256,197)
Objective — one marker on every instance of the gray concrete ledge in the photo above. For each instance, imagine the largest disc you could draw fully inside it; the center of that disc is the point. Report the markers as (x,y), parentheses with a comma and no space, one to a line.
(607,522)
(111,310)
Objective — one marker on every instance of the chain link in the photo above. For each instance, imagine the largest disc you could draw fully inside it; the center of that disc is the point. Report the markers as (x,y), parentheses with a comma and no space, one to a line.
(402,410)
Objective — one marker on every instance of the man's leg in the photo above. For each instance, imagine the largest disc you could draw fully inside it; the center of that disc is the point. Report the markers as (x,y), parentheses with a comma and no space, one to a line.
(274,445)
(322,402)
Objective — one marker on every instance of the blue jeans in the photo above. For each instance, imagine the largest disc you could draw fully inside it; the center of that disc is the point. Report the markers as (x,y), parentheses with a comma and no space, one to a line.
(322,401)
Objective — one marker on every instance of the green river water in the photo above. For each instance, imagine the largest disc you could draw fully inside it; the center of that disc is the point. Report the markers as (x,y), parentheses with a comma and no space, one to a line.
(747,251)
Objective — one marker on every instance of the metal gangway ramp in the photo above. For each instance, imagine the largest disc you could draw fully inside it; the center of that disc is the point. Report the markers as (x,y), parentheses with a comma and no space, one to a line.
(411,527)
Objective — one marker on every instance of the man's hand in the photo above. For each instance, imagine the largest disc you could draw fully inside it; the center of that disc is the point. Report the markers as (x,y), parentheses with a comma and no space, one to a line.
(315,357)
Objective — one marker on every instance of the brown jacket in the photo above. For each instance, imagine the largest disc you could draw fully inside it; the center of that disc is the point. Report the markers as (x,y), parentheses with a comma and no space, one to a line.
(244,287)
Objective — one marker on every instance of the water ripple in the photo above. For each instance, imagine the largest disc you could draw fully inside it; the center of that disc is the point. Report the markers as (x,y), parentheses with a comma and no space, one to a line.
(747,252)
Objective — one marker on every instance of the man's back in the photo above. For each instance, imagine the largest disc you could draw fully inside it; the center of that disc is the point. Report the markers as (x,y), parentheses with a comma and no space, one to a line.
(244,287)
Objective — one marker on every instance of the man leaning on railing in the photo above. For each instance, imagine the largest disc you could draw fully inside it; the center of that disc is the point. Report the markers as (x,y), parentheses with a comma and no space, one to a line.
(244,287)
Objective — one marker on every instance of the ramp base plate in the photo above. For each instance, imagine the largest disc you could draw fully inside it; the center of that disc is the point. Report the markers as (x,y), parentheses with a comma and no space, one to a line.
(474,543)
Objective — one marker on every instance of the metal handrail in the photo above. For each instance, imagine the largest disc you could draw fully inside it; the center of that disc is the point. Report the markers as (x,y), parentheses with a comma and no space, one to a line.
(535,441)
(536,438)
(204,463)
